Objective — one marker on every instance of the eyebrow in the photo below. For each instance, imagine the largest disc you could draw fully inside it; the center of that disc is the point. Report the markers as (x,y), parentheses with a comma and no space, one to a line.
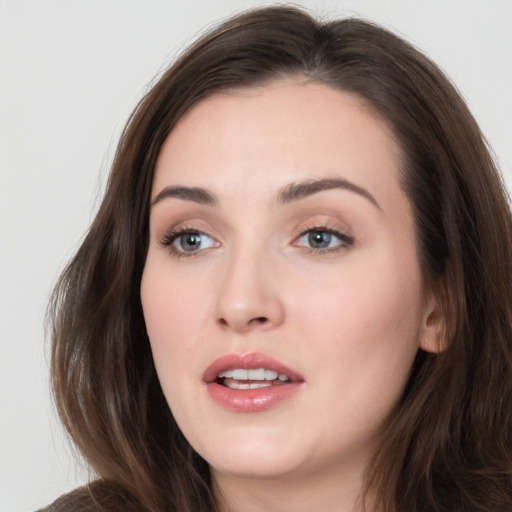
(292,192)
(195,194)
(296,191)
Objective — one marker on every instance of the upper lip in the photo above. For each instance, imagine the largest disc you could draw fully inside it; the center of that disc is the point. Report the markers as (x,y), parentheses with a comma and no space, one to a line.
(246,362)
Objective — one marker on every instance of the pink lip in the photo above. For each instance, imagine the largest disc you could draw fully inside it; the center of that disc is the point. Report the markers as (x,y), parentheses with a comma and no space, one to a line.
(249,400)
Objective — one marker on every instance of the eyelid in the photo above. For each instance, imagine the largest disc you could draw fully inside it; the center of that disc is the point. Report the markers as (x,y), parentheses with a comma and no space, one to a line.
(184,221)
(320,223)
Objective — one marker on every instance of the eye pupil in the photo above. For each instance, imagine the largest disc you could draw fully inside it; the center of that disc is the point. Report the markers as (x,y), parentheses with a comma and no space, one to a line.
(319,239)
(190,241)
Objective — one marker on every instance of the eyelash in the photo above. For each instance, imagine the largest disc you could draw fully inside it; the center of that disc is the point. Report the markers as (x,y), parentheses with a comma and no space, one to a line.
(171,236)
(346,241)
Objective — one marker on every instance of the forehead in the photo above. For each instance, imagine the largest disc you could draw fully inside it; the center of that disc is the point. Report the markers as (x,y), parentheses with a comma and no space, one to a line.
(257,140)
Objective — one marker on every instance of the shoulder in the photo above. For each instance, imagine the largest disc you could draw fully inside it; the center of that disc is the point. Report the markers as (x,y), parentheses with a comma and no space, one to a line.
(98,496)
(79,500)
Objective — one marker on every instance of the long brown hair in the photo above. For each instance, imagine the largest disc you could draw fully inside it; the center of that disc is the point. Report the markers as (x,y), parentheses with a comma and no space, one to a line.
(449,447)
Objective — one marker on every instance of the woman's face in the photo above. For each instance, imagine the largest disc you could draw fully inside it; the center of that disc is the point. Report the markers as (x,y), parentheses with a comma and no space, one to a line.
(282,293)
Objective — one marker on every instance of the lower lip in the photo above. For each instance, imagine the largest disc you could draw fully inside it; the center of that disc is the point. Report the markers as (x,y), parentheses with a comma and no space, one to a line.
(251,400)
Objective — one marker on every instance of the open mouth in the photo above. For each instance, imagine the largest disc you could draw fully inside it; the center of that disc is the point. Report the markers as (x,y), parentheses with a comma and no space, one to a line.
(253,378)
(250,382)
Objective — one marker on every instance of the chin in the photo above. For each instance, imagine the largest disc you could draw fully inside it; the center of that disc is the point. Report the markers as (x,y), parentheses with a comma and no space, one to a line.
(252,455)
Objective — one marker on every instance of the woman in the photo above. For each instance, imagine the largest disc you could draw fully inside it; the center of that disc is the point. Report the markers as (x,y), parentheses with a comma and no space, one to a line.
(295,294)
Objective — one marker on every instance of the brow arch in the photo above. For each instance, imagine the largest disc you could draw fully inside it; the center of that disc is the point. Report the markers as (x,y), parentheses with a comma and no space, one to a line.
(300,190)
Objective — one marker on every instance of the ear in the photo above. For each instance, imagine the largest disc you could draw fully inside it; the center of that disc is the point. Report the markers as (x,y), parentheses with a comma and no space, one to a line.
(433,332)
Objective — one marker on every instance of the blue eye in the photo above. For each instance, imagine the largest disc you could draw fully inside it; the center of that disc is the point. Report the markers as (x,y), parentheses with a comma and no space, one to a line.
(188,242)
(322,239)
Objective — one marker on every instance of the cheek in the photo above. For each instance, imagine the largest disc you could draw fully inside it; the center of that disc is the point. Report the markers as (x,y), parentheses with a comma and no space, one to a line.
(362,315)
(362,335)
(175,311)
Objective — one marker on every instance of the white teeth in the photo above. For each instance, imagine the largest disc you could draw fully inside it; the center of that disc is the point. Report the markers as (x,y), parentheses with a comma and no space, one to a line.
(253,374)
(271,375)
(240,374)
(244,385)
(256,374)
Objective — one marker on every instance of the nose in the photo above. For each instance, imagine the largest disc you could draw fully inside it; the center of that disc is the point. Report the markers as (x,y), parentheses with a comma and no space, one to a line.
(249,297)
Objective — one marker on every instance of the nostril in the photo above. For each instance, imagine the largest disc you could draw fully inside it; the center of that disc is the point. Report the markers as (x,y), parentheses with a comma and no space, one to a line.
(260,320)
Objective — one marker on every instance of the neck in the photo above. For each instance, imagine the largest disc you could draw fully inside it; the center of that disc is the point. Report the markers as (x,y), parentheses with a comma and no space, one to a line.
(329,491)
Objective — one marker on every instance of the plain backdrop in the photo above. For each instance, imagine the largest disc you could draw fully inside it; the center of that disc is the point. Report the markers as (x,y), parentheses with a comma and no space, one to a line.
(70,74)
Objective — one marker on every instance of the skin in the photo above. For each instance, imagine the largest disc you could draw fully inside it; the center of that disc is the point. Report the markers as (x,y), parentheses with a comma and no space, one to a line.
(349,318)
